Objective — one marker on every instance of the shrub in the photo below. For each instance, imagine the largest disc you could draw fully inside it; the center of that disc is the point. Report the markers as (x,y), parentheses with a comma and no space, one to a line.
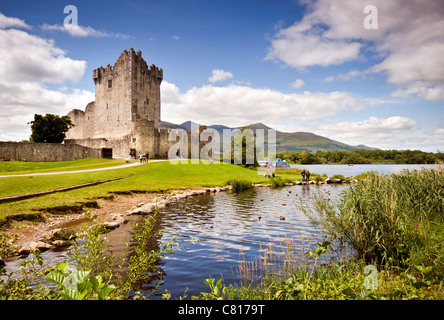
(395,219)
(239,185)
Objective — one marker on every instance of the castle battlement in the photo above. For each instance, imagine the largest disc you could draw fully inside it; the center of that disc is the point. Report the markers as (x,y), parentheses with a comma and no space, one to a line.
(126,110)
(128,61)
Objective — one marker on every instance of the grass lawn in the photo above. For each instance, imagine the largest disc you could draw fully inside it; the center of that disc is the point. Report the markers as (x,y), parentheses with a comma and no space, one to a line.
(21,167)
(151,177)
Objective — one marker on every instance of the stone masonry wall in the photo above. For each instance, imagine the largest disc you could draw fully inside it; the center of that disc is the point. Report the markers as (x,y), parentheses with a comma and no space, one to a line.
(45,152)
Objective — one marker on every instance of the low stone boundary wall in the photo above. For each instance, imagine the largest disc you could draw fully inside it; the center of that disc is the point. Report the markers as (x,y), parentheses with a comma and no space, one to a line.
(45,152)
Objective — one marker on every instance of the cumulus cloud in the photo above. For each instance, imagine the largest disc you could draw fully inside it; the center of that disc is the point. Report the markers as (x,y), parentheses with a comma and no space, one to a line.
(409,41)
(220,75)
(233,104)
(28,66)
(11,22)
(297,83)
(83,31)
(384,132)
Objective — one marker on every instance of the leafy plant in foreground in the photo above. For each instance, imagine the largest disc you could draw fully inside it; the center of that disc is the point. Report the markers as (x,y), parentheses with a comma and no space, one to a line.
(78,285)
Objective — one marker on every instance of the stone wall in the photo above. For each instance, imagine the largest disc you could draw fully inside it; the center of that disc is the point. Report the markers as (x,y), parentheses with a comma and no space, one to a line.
(45,152)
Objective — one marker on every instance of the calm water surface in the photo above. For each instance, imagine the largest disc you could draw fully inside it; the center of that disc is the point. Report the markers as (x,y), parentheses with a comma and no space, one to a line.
(357,169)
(229,224)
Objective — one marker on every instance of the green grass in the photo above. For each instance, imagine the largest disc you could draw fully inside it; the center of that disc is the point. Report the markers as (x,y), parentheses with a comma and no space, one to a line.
(21,167)
(151,177)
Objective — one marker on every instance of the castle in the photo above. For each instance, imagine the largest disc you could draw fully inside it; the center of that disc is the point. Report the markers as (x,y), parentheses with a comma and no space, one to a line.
(125,116)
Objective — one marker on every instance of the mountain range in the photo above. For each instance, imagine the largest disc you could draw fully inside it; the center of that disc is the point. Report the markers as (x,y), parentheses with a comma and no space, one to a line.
(285,141)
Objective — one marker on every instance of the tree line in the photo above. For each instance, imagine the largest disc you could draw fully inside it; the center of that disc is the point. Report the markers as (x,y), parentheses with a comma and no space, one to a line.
(363,157)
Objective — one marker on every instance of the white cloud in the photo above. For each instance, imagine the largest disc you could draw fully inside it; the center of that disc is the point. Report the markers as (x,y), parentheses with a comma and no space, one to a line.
(83,32)
(392,132)
(220,75)
(297,83)
(233,105)
(301,47)
(29,63)
(409,41)
(175,37)
(11,22)
(26,57)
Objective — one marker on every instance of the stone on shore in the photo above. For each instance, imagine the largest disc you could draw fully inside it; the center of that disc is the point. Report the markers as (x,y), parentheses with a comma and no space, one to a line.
(60,234)
(33,246)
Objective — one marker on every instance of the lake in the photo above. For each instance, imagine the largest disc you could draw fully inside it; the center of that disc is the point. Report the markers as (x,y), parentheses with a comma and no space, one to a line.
(352,171)
(232,227)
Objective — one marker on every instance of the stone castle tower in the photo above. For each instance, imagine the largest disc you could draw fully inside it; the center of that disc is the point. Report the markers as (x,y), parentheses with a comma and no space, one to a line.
(125,115)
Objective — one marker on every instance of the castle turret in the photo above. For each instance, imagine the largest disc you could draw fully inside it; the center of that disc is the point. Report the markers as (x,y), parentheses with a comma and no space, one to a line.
(126,92)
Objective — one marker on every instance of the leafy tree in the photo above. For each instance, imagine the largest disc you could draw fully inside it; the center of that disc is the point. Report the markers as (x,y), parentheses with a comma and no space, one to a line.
(49,128)
(243,148)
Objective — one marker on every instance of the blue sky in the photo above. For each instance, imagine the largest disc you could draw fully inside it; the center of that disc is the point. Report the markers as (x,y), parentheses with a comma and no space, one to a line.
(292,65)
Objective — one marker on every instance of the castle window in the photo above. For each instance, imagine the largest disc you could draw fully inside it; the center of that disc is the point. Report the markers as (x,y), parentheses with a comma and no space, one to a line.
(110,84)
(134,140)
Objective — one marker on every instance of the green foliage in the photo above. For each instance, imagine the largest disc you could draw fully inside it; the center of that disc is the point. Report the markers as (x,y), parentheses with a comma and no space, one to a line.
(217,290)
(238,185)
(49,128)
(78,285)
(243,148)
(395,219)
(363,157)
(338,176)
(92,278)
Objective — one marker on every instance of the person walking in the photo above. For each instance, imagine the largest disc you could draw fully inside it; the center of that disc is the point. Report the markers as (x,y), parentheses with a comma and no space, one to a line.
(303,175)
(307,174)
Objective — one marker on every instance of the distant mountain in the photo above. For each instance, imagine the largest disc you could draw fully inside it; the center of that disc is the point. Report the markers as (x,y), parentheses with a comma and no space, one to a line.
(285,141)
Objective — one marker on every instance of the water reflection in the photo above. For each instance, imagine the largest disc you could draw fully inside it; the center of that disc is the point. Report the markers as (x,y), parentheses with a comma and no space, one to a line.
(232,227)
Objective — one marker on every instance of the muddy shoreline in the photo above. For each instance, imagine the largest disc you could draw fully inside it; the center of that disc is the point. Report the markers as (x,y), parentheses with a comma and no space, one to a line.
(117,214)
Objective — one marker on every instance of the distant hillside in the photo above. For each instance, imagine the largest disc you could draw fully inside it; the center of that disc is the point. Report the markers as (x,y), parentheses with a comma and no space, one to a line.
(286,141)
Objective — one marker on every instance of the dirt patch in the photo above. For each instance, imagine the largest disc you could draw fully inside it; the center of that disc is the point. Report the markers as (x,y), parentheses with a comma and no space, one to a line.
(28,231)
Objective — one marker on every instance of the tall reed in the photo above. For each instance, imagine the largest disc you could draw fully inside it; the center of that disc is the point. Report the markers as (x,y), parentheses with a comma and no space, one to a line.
(396,219)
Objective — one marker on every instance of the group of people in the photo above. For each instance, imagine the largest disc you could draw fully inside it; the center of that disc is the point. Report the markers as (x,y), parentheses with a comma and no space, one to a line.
(305,175)
(143,158)
(269,175)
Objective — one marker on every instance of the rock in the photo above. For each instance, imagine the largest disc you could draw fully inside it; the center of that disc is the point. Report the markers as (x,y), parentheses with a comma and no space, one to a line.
(120,219)
(282,218)
(336,180)
(327,180)
(111,225)
(60,234)
(2,263)
(36,245)
(145,209)
(24,251)
(60,243)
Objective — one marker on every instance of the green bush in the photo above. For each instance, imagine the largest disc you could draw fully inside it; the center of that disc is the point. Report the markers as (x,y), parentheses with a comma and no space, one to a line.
(395,219)
(239,185)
